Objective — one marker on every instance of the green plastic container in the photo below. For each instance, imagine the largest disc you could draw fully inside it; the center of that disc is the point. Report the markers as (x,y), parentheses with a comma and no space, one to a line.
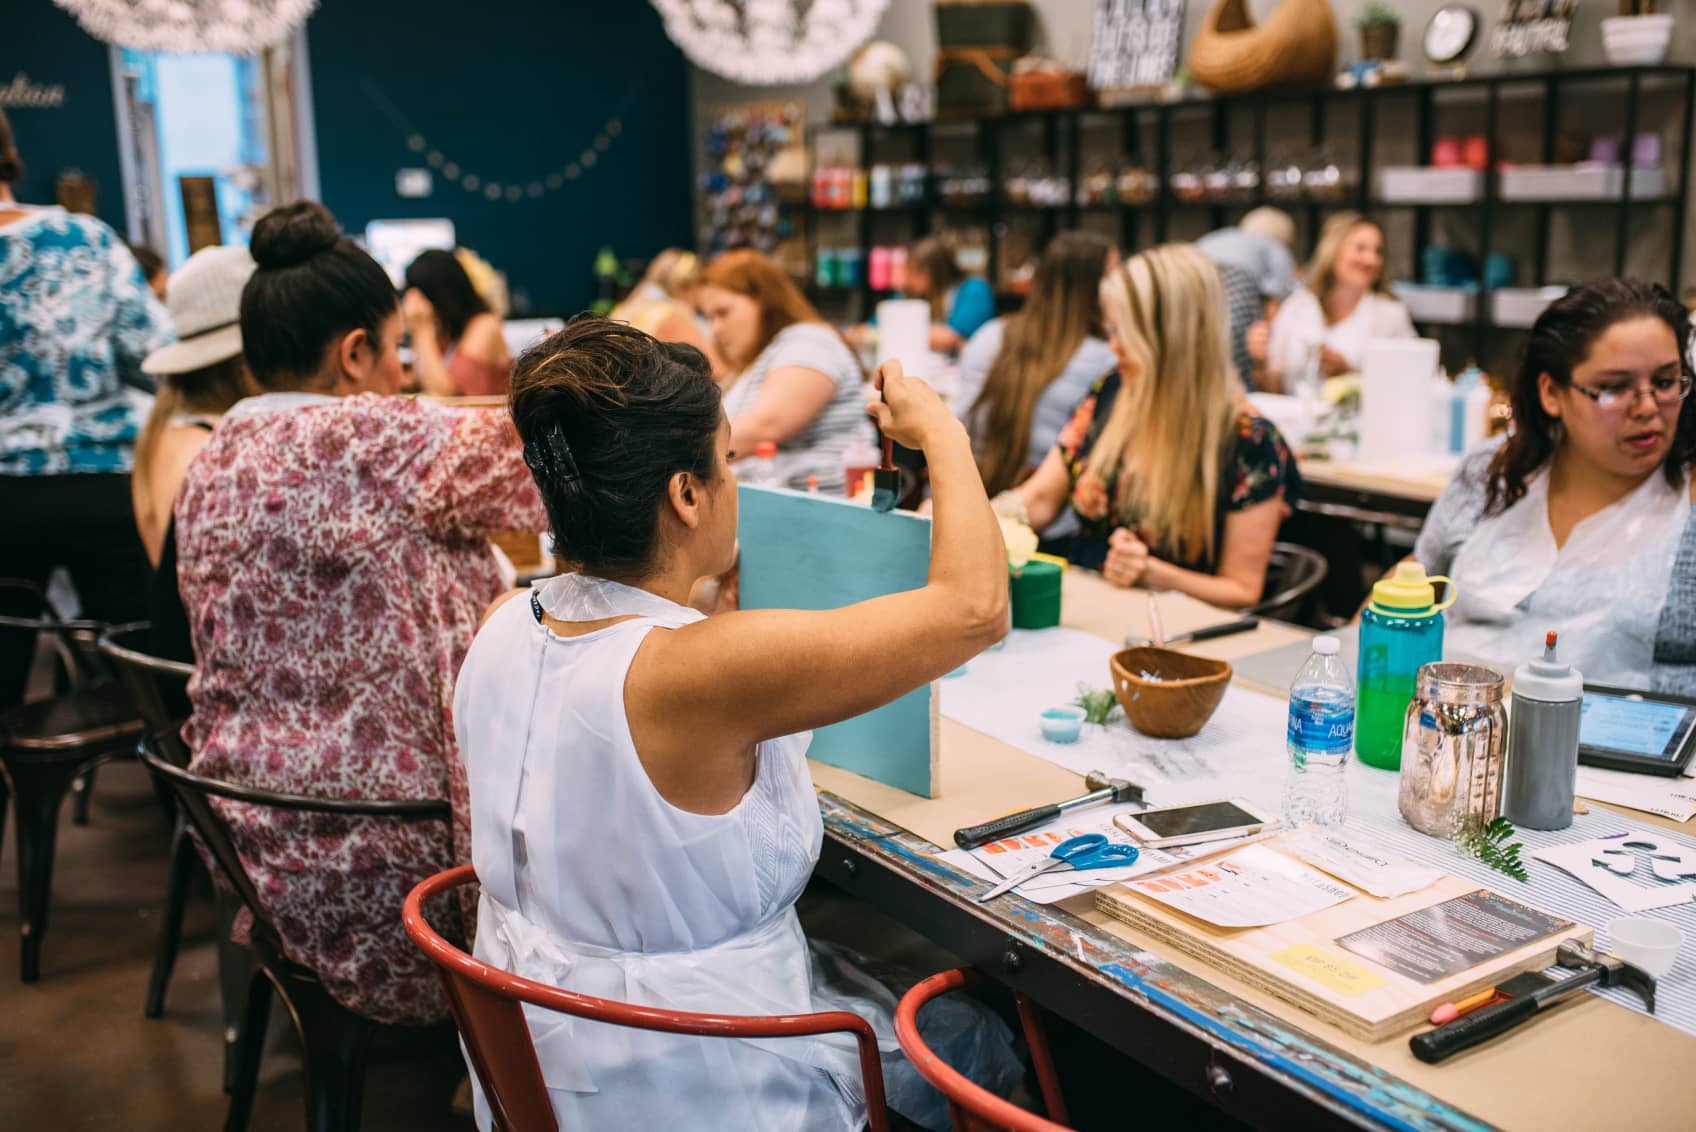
(1400,631)
(1035,595)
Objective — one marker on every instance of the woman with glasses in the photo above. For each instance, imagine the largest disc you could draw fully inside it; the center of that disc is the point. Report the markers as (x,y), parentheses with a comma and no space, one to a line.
(1574,522)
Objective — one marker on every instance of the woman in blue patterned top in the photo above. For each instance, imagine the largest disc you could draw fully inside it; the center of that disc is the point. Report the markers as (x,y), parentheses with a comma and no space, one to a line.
(76,319)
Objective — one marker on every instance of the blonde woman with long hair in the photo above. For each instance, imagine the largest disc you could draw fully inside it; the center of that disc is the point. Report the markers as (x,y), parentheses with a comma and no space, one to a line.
(201,375)
(1175,483)
(1021,376)
(660,305)
(1346,303)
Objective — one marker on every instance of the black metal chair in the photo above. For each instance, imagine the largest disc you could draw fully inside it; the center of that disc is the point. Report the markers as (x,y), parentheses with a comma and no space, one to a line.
(1293,577)
(154,684)
(48,745)
(333,1038)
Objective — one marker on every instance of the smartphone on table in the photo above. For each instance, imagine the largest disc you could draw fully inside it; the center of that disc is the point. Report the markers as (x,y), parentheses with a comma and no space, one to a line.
(1196,823)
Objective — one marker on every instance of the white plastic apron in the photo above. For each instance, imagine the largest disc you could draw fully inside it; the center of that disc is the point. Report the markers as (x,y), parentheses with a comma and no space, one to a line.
(602,1075)
(1602,591)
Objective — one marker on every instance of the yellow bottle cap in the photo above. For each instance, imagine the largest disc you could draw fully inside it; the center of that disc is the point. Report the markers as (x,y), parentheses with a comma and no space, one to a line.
(1408,591)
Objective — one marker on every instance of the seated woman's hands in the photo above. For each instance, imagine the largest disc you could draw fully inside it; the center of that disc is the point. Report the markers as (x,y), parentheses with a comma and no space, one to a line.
(1127,559)
(1257,339)
(420,315)
(1333,364)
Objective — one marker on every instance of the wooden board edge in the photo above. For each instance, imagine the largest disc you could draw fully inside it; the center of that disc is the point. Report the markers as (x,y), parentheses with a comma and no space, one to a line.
(935,739)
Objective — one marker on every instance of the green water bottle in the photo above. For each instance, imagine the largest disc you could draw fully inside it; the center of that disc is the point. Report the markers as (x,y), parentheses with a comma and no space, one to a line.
(1401,629)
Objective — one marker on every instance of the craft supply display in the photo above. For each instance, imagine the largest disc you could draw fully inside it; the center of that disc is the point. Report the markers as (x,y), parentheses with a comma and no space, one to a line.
(752,151)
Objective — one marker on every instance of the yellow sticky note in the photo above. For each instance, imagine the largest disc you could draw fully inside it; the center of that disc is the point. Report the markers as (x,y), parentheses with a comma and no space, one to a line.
(1328,969)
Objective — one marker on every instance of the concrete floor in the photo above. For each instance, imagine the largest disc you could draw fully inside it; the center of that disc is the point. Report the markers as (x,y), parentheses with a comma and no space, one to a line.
(75,1051)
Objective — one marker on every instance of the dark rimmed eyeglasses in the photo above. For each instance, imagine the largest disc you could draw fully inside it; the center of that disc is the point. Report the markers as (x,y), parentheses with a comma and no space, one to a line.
(1666,391)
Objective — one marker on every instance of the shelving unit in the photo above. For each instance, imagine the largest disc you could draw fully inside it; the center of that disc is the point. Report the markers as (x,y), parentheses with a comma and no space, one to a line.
(1155,130)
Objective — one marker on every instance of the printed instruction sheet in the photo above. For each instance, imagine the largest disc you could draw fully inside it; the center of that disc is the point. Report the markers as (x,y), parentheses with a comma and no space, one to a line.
(1249,888)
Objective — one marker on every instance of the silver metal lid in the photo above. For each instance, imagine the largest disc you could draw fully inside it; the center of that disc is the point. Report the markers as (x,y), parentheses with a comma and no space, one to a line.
(1450,683)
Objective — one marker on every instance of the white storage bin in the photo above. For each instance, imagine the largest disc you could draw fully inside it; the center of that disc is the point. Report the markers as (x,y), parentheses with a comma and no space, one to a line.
(1580,182)
(1520,306)
(1420,184)
(1437,304)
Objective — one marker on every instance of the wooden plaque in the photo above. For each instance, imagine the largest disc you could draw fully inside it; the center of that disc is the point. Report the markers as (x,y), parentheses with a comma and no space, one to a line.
(808,551)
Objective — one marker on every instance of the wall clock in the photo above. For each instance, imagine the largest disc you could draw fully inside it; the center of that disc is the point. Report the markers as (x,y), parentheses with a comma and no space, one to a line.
(1450,34)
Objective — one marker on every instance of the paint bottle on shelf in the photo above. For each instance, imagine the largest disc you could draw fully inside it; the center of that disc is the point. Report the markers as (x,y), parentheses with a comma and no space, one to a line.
(877,268)
(881,191)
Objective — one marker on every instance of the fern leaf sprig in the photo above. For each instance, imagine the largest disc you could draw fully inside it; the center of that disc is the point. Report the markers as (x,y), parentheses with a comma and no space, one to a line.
(1488,842)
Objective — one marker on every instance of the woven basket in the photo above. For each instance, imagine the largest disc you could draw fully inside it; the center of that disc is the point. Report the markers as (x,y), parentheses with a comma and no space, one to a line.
(1297,46)
(1050,90)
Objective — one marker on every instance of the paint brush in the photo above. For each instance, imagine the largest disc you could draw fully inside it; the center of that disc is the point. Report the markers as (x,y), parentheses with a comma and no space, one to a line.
(886,480)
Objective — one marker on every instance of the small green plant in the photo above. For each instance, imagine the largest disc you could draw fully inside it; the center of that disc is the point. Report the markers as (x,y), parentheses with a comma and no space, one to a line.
(1098,703)
(1375,14)
(1489,843)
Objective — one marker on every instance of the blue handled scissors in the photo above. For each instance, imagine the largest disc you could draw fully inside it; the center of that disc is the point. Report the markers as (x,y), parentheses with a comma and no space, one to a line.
(1088,851)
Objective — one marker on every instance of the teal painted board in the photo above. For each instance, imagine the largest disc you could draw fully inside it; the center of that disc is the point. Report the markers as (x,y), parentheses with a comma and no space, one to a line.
(806,551)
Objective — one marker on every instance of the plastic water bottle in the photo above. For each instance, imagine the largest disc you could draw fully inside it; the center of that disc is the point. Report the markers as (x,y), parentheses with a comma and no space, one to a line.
(1321,732)
(762,469)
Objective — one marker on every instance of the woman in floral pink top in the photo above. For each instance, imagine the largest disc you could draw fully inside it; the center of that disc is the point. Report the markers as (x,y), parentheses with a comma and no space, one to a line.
(334,562)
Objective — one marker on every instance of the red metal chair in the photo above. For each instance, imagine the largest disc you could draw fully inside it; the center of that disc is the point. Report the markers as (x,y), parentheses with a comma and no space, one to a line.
(486,1003)
(974,1108)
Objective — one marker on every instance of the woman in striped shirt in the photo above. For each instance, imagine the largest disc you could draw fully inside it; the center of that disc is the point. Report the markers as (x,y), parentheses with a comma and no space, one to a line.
(795,382)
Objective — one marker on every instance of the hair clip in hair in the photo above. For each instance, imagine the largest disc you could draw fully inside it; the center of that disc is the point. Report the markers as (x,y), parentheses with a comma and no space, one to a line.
(550,455)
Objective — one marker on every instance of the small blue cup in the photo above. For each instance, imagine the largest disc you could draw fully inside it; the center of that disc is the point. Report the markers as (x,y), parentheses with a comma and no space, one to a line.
(1062,724)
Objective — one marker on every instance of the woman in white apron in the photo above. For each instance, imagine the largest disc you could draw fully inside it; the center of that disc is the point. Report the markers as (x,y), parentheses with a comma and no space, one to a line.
(642,815)
(1573,522)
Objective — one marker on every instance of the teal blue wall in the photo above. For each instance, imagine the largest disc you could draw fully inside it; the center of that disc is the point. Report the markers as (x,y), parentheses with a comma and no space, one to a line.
(45,43)
(512,92)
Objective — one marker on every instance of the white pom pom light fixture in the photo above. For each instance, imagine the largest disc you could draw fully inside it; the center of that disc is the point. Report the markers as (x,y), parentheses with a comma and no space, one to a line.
(764,42)
(239,27)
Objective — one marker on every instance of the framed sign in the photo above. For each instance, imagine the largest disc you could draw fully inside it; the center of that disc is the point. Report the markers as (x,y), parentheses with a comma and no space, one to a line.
(1530,27)
(1135,42)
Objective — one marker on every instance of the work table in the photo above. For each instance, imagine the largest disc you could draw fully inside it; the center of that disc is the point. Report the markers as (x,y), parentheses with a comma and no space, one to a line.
(1591,1063)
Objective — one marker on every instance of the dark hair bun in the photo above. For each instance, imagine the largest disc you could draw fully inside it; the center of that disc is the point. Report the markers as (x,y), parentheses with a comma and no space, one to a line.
(291,235)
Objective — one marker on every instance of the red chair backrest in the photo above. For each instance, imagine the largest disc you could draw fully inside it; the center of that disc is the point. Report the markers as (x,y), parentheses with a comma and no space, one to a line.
(486,1003)
(974,1108)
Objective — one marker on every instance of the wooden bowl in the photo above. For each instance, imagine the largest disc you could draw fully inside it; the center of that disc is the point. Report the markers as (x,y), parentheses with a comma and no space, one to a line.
(1178,704)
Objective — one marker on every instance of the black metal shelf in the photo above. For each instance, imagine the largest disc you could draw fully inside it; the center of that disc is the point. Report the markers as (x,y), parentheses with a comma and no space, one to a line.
(1151,223)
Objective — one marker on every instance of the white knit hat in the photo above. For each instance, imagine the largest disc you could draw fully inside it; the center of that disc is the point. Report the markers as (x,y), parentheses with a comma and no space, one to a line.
(204,298)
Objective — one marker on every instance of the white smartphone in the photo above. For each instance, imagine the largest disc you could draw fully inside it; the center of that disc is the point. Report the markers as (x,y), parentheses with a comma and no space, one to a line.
(1194,824)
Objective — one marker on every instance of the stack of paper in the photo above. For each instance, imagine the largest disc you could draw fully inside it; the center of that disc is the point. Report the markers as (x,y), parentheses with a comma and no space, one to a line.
(1673,798)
